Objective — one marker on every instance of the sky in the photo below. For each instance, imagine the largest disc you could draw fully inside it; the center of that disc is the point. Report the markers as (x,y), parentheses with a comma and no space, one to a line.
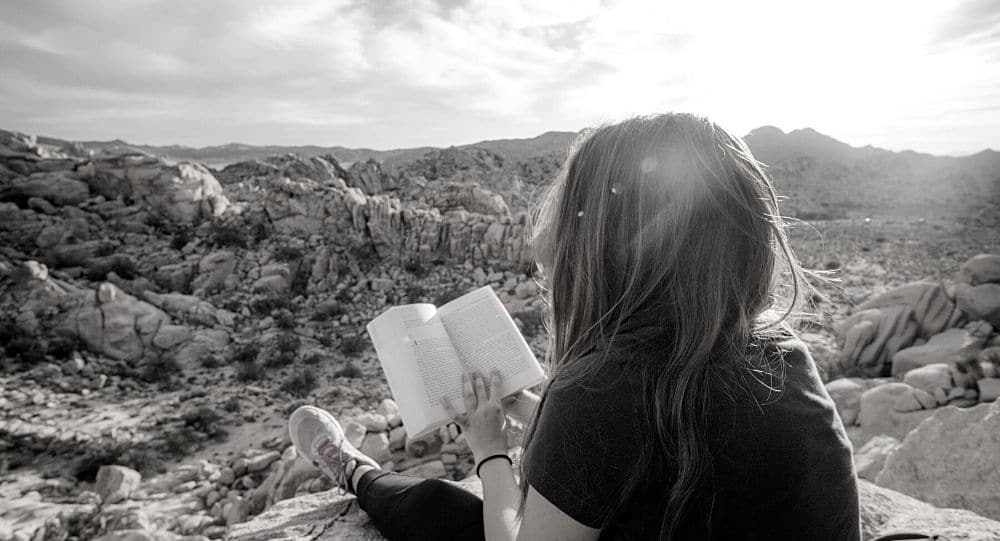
(898,74)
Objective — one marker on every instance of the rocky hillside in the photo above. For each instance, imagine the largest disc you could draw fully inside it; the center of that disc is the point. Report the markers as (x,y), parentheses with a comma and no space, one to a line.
(160,319)
(822,177)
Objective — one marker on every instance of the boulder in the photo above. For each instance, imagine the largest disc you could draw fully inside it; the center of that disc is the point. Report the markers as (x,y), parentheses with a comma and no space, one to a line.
(189,308)
(284,481)
(213,269)
(950,459)
(274,283)
(116,324)
(989,389)
(116,483)
(933,310)
(869,338)
(931,377)
(980,269)
(63,232)
(892,409)
(58,187)
(185,193)
(953,345)
(981,302)
(376,445)
(846,395)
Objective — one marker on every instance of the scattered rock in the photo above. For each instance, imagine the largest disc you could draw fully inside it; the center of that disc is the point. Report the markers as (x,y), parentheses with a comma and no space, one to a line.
(980,302)
(116,483)
(868,460)
(980,269)
(952,345)
(889,409)
(846,394)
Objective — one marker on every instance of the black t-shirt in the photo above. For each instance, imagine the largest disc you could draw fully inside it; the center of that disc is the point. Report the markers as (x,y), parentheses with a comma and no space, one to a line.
(783,466)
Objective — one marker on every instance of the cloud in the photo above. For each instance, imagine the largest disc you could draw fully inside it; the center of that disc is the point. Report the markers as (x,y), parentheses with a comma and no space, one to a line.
(393,73)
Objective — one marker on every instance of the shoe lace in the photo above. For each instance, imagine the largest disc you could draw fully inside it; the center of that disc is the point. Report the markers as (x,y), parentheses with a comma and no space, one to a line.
(338,469)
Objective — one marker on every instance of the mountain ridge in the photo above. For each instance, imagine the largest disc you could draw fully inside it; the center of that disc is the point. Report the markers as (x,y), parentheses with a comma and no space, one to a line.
(517,149)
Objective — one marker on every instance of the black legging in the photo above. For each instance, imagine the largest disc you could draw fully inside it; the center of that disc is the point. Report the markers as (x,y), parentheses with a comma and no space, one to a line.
(406,507)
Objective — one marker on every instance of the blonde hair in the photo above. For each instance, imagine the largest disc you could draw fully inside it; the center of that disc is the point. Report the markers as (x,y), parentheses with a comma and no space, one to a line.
(669,220)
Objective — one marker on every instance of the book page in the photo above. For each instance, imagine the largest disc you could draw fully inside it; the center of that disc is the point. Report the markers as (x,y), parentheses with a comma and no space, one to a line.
(420,364)
(486,338)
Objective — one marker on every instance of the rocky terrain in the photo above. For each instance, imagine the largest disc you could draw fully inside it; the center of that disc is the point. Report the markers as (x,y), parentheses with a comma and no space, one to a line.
(160,319)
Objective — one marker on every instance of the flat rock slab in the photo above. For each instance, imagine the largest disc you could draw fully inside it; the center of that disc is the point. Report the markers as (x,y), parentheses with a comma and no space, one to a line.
(328,516)
(323,516)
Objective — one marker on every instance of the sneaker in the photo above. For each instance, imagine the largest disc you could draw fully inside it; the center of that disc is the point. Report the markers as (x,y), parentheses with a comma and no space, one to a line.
(319,438)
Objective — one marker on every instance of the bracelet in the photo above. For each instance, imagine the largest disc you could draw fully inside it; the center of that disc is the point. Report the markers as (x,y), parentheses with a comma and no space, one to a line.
(491,457)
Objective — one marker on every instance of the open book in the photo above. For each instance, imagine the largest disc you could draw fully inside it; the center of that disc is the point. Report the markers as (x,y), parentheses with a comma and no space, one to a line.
(425,349)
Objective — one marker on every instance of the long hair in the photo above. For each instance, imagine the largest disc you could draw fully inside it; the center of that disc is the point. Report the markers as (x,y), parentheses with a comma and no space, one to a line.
(666,219)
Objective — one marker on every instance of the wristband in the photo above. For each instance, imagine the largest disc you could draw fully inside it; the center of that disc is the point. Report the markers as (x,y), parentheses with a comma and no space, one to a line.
(491,457)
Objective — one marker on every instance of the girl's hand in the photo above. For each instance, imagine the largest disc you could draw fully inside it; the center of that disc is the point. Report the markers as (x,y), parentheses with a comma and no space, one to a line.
(484,422)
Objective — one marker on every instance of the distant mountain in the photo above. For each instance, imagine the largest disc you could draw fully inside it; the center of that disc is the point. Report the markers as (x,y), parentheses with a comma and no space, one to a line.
(820,176)
(824,177)
(219,156)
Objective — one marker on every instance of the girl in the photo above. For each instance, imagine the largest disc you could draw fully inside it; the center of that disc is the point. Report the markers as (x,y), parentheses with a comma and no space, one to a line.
(679,404)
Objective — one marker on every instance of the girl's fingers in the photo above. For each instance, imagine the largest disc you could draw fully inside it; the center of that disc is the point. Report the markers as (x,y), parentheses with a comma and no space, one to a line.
(450,410)
(480,386)
(495,378)
(468,393)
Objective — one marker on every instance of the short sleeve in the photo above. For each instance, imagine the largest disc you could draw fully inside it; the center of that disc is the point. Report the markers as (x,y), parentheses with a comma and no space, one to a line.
(586,444)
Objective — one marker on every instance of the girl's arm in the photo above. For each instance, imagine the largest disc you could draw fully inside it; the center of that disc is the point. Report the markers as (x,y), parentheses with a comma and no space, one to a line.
(484,427)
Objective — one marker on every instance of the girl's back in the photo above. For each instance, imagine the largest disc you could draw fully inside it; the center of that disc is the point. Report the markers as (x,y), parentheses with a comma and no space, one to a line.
(782,465)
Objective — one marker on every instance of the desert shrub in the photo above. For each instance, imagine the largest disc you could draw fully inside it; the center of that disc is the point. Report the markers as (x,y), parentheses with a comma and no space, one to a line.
(344,296)
(248,370)
(210,360)
(205,420)
(288,253)
(104,249)
(179,442)
(121,265)
(415,267)
(245,353)
(300,281)
(327,311)
(8,330)
(349,370)
(180,239)
(156,221)
(224,235)
(232,404)
(353,345)
(161,369)
(280,358)
(447,296)
(263,306)
(362,251)
(300,383)
(532,322)
(63,343)
(259,232)
(313,358)
(20,345)
(107,452)
(284,319)
(415,292)
(287,342)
